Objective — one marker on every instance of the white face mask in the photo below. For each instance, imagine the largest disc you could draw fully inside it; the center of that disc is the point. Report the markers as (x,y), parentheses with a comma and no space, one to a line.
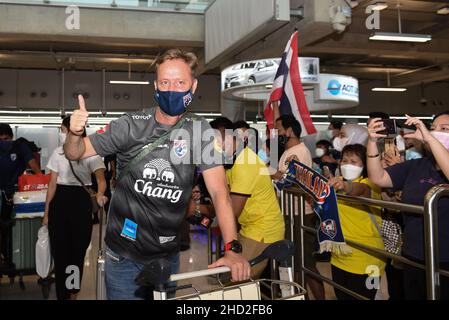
(320,152)
(351,172)
(340,143)
(62,137)
(442,137)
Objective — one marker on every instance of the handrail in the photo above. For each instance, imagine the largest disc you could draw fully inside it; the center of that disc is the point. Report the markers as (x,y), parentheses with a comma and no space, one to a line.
(429,211)
(409,208)
(371,202)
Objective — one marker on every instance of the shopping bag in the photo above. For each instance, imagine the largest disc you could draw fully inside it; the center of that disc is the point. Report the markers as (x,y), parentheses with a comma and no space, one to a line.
(44,261)
(33,182)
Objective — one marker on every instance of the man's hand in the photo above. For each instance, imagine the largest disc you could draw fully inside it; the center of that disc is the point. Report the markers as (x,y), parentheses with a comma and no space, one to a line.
(422,133)
(79,118)
(240,268)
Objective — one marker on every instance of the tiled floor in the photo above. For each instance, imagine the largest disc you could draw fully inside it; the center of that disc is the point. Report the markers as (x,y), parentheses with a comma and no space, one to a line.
(195,258)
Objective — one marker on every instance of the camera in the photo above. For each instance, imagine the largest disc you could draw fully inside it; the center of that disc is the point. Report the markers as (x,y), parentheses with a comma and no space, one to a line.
(390,127)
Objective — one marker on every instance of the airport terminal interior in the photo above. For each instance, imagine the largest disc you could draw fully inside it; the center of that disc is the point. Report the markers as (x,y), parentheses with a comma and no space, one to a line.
(326,74)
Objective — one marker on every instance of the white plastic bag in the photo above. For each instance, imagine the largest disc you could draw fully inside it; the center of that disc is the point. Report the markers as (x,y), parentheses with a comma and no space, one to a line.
(44,261)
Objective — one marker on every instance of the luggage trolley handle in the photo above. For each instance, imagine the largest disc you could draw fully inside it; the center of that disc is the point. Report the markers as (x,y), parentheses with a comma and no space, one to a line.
(100,241)
(280,251)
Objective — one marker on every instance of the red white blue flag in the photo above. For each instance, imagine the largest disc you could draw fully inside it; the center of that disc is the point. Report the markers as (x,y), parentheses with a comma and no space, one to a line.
(288,90)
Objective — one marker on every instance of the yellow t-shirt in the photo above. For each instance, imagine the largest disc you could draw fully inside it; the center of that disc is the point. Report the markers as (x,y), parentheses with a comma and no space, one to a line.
(261,219)
(357,226)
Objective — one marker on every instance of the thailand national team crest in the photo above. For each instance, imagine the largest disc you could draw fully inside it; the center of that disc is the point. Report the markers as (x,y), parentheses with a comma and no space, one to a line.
(329,228)
(187,99)
(180,148)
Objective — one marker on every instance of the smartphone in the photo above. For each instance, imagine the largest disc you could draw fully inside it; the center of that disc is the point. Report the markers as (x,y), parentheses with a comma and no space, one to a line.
(390,126)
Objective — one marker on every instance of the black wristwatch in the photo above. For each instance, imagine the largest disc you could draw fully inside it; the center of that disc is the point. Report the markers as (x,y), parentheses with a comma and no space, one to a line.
(234,245)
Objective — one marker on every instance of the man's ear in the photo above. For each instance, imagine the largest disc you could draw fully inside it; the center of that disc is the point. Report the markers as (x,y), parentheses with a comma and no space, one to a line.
(194,85)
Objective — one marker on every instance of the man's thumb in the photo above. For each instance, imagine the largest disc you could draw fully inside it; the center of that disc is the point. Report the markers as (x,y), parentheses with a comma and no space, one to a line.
(81,103)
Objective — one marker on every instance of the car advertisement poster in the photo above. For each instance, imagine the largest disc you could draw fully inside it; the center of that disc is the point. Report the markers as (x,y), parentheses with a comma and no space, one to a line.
(264,71)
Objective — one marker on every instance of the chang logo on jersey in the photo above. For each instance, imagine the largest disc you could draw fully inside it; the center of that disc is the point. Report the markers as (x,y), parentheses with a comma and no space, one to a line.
(158,181)
(180,148)
(141,117)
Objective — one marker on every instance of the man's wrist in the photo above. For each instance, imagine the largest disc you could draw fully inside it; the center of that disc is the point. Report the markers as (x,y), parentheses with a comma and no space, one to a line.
(234,246)
(71,133)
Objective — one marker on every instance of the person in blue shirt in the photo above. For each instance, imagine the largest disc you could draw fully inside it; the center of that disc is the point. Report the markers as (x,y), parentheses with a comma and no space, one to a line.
(14,158)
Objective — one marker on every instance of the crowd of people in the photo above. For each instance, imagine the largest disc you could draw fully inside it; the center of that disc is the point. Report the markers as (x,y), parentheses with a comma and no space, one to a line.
(154,196)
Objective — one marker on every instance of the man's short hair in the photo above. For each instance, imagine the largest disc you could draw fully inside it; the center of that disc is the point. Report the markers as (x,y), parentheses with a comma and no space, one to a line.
(241,125)
(336,124)
(381,115)
(289,121)
(5,130)
(222,123)
(177,54)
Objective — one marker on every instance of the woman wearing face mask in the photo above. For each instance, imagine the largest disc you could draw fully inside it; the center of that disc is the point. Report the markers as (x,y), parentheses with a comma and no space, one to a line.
(68,211)
(350,134)
(415,178)
(359,224)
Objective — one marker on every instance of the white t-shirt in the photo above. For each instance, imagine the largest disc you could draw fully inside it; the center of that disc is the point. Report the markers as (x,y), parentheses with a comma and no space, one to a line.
(304,156)
(83,168)
(300,151)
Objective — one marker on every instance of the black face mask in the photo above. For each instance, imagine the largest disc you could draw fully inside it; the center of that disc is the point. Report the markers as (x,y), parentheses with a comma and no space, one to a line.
(282,140)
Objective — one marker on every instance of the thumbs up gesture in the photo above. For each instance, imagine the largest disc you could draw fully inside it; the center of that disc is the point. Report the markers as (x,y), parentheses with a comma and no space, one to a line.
(79,117)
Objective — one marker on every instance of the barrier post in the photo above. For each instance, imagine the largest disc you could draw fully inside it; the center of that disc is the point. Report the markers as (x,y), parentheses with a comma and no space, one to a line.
(431,240)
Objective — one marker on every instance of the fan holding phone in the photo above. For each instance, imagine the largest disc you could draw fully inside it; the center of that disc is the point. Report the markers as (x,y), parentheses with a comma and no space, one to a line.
(415,178)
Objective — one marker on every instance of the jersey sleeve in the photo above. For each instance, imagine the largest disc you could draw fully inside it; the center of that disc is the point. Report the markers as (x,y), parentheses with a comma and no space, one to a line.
(113,140)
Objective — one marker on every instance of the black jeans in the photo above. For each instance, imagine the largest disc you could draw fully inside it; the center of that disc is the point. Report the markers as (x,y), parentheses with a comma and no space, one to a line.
(70,230)
(353,282)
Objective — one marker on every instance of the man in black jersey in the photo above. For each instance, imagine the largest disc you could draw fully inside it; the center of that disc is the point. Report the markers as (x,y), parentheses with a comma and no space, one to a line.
(151,197)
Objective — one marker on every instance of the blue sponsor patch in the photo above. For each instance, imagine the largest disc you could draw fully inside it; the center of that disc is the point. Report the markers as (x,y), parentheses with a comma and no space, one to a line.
(129,230)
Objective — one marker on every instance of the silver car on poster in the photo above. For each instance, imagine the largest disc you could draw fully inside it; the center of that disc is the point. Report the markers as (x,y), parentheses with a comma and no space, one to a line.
(247,73)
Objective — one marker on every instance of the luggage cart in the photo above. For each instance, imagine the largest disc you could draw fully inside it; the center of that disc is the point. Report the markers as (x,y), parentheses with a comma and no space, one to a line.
(157,275)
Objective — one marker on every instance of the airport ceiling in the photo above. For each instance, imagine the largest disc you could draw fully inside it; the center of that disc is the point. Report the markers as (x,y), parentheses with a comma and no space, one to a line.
(350,53)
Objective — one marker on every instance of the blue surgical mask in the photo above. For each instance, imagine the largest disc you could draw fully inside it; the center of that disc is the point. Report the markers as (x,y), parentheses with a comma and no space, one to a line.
(412,154)
(263,156)
(173,103)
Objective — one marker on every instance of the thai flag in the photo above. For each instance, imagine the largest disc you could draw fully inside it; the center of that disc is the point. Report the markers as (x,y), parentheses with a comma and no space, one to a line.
(288,90)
